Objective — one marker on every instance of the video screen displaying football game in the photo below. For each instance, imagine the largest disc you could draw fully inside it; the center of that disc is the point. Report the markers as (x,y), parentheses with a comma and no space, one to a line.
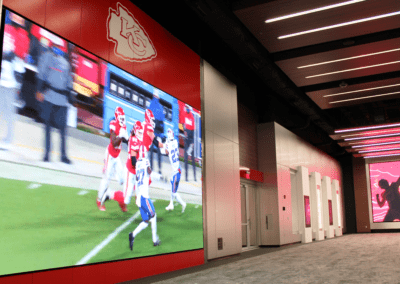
(385,196)
(96,165)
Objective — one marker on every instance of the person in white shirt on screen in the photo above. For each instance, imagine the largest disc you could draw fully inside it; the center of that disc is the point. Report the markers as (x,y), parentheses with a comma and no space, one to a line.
(143,200)
(171,149)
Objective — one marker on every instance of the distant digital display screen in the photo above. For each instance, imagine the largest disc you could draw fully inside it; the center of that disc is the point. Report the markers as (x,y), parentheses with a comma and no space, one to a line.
(96,165)
(307,211)
(385,196)
(330,212)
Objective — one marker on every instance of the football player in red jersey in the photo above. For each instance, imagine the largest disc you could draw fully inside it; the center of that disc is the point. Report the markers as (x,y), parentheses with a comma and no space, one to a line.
(112,162)
(148,129)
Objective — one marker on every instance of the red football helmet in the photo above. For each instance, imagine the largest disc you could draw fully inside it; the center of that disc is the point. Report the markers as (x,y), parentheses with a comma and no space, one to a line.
(120,115)
(149,117)
(138,129)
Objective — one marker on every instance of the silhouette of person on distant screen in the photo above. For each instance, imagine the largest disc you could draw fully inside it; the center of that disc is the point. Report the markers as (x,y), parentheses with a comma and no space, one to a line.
(392,196)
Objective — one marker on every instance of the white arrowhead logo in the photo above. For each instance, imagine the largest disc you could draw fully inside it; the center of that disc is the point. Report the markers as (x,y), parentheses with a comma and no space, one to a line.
(131,40)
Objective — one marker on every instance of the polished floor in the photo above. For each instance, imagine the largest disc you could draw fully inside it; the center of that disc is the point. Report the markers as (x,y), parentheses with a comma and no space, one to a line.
(357,258)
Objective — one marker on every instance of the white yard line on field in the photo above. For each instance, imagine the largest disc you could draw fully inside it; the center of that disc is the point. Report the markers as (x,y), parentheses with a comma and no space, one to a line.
(110,237)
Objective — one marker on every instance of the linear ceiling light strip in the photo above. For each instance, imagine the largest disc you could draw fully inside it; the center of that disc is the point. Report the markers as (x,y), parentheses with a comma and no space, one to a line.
(341,25)
(379,156)
(312,11)
(363,98)
(370,137)
(373,132)
(353,69)
(367,128)
(349,58)
(378,150)
(363,90)
(375,144)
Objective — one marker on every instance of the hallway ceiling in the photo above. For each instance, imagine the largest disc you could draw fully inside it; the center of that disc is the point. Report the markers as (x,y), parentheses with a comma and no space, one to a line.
(334,66)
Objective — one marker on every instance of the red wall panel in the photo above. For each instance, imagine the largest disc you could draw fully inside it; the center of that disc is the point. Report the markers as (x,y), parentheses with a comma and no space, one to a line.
(175,70)
(60,276)
(17,279)
(34,10)
(64,19)
(93,34)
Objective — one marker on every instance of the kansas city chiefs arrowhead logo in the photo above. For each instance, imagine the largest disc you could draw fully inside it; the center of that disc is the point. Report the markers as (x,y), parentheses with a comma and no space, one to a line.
(131,41)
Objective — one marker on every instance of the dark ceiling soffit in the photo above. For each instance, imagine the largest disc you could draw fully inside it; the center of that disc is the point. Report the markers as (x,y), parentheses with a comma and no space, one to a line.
(335,45)
(239,39)
(352,81)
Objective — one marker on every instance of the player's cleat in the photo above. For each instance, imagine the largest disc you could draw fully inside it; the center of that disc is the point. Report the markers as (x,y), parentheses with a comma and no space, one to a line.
(46,159)
(157,243)
(131,240)
(123,207)
(104,198)
(183,207)
(170,207)
(101,207)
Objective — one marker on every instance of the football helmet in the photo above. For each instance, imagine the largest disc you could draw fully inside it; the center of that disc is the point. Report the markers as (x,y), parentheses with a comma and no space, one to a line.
(170,134)
(138,129)
(120,115)
(149,117)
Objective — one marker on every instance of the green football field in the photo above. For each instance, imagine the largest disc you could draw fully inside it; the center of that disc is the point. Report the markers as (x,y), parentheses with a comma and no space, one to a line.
(46,226)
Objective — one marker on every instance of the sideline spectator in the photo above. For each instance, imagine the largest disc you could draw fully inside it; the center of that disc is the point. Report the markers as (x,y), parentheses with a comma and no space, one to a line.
(54,90)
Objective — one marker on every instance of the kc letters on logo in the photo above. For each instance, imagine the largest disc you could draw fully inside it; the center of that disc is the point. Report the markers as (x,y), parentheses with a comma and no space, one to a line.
(131,40)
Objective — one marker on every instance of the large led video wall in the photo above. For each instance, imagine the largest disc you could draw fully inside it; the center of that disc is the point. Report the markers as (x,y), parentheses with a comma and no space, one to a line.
(385,196)
(96,165)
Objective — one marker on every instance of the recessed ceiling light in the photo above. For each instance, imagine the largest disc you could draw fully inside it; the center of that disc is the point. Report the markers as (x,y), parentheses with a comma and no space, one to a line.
(363,98)
(312,11)
(353,69)
(367,128)
(341,25)
(363,90)
(349,58)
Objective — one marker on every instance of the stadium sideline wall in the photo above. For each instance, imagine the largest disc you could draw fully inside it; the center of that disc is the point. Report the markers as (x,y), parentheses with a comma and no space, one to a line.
(279,152)
(222,181)
(175,70)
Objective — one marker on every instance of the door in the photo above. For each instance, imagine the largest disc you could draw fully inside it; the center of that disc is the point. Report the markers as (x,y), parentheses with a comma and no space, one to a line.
(248,209)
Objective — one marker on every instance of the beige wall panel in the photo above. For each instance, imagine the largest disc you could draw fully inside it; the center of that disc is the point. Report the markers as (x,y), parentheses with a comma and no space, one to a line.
(220,92)
(209,179)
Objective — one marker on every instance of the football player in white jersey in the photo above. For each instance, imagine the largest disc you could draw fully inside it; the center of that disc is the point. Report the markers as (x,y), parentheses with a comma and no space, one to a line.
(171,149)
(143,200)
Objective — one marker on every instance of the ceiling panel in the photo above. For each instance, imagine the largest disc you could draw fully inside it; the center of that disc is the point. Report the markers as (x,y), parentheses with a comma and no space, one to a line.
(349,58)
(381,90)
(254,19)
